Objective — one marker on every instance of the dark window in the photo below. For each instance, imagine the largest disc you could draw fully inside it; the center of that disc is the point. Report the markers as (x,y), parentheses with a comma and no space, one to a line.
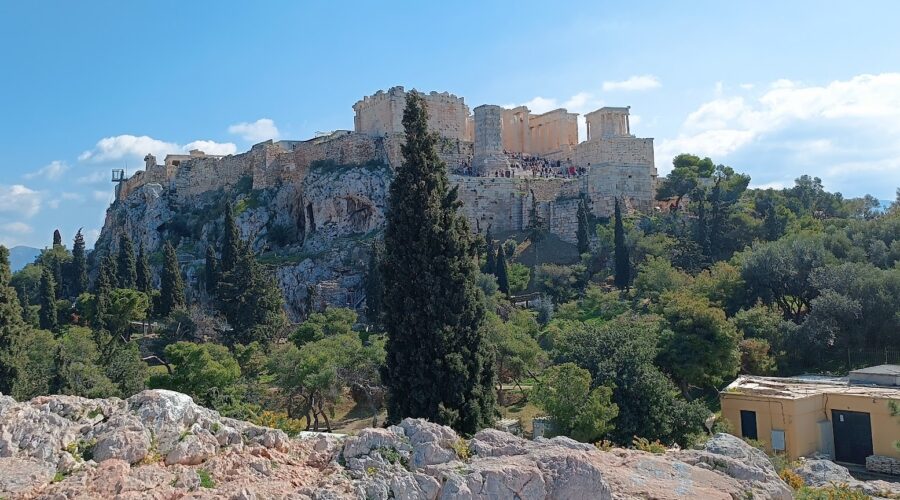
(748,424)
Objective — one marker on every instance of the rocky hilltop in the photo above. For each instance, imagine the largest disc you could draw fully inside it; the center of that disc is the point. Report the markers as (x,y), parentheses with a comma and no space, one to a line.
(159,444)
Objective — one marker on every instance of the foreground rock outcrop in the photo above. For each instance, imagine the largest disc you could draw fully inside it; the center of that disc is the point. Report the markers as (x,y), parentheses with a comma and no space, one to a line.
(159,444)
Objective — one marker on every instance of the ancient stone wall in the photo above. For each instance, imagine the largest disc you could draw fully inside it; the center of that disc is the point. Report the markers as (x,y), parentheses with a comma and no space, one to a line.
(552,131)
(607,122)
(489,157)
(382,114)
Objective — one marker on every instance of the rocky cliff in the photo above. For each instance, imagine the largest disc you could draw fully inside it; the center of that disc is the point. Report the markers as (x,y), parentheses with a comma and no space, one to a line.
(311,231)
(159,444)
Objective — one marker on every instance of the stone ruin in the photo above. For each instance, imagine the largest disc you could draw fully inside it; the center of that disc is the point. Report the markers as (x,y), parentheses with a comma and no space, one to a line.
(511,165)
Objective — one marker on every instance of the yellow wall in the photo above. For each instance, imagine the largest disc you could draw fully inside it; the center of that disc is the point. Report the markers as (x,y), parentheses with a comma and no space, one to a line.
(799,419)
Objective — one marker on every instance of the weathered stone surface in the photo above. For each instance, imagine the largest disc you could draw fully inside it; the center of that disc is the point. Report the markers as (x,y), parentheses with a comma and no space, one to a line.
(413,460)
(821,473)
(737,459)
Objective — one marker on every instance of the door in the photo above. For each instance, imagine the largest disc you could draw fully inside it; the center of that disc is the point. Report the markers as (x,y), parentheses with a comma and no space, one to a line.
(748,424)
(852,436)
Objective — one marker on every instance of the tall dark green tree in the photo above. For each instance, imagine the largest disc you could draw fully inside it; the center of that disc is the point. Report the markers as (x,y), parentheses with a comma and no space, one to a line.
(374,286)
(211,271)
(622,259)
(11,322)
(582,232)
(127,268)
(250,300)
(79,265)
(57,238)
(172,284)
(48,315)
(103,287)
(143,274)
(501,271)
(437,365)
(231,241)
(490,263)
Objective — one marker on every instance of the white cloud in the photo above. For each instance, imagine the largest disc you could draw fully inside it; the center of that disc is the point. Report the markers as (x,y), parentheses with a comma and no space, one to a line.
(19,200)
(95,177)
(635,83)
(835,131)
(258,131)
(103,196)
(136,147)
(19,228)
(51,172)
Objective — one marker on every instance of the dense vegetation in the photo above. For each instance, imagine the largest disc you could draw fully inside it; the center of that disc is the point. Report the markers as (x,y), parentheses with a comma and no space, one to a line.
(634,338)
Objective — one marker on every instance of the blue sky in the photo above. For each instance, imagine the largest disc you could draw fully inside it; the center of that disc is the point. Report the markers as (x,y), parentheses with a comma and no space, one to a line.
(774,89)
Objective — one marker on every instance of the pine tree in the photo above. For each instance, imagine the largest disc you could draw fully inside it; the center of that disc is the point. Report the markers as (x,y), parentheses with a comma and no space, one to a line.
(374,286)
(250,300)
(490,264)
(143,274)
(48,315)
(231,241)
(79,265)
(11,323)
(127,268)
(211,272)
(582,233)
(622,260)
(57,238)
(501,271)
(172,285)
(437,365)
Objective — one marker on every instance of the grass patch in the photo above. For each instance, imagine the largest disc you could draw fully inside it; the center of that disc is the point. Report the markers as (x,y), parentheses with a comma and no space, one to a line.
(206,481)
(82,450)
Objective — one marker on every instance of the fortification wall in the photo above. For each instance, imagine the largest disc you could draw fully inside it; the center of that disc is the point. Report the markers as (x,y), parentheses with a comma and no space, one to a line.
(505,204)
(381,114)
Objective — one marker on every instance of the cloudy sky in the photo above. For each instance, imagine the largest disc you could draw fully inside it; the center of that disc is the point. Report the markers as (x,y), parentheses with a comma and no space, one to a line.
(775,89)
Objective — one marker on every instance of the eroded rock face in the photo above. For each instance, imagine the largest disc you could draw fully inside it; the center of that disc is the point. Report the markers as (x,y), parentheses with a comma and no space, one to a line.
(159,444)
(821,473)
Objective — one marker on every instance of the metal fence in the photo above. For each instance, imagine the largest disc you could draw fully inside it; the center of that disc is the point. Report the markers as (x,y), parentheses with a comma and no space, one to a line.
(861,358)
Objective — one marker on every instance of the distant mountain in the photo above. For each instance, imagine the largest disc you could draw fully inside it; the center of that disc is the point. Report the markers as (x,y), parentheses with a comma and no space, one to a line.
(20,256)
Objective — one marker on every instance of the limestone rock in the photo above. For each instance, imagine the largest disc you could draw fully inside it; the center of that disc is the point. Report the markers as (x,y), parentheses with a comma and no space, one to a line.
(18,475)
(820,473)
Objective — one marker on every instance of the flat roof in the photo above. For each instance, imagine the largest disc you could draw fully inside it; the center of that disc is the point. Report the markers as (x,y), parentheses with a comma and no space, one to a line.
(879,370)
(805,386)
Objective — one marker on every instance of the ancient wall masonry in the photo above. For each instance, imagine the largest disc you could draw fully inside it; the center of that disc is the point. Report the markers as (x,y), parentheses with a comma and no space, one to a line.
(500,186)
(382,114)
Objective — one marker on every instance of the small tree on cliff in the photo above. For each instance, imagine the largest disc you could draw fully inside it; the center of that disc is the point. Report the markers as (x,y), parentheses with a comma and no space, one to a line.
(172,285)
(79,265)
(438,366)
(490,262)
(127,268)
(48,316)
(622,260)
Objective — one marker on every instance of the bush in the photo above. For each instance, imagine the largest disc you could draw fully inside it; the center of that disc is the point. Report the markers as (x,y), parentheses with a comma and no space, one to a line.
(279,420)
(792,479)
(836,492)
(644,444)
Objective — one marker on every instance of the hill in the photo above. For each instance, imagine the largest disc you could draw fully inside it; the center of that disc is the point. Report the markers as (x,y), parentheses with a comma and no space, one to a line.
(20,256)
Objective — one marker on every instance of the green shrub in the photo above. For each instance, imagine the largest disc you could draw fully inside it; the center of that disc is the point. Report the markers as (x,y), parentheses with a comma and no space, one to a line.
(644,444)
(206,481)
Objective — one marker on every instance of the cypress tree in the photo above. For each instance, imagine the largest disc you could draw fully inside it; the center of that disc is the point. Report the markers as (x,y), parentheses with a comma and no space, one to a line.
(48,315)
(622,260)
(102,289)
(11,323)
(57,238)
(172,285)
(127,268)
(490,264)
(501,272)
(211,271)
(143,274)
(374,286)
(437,365)
(582,233)
(231,241)
(250,300)
(79,265)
